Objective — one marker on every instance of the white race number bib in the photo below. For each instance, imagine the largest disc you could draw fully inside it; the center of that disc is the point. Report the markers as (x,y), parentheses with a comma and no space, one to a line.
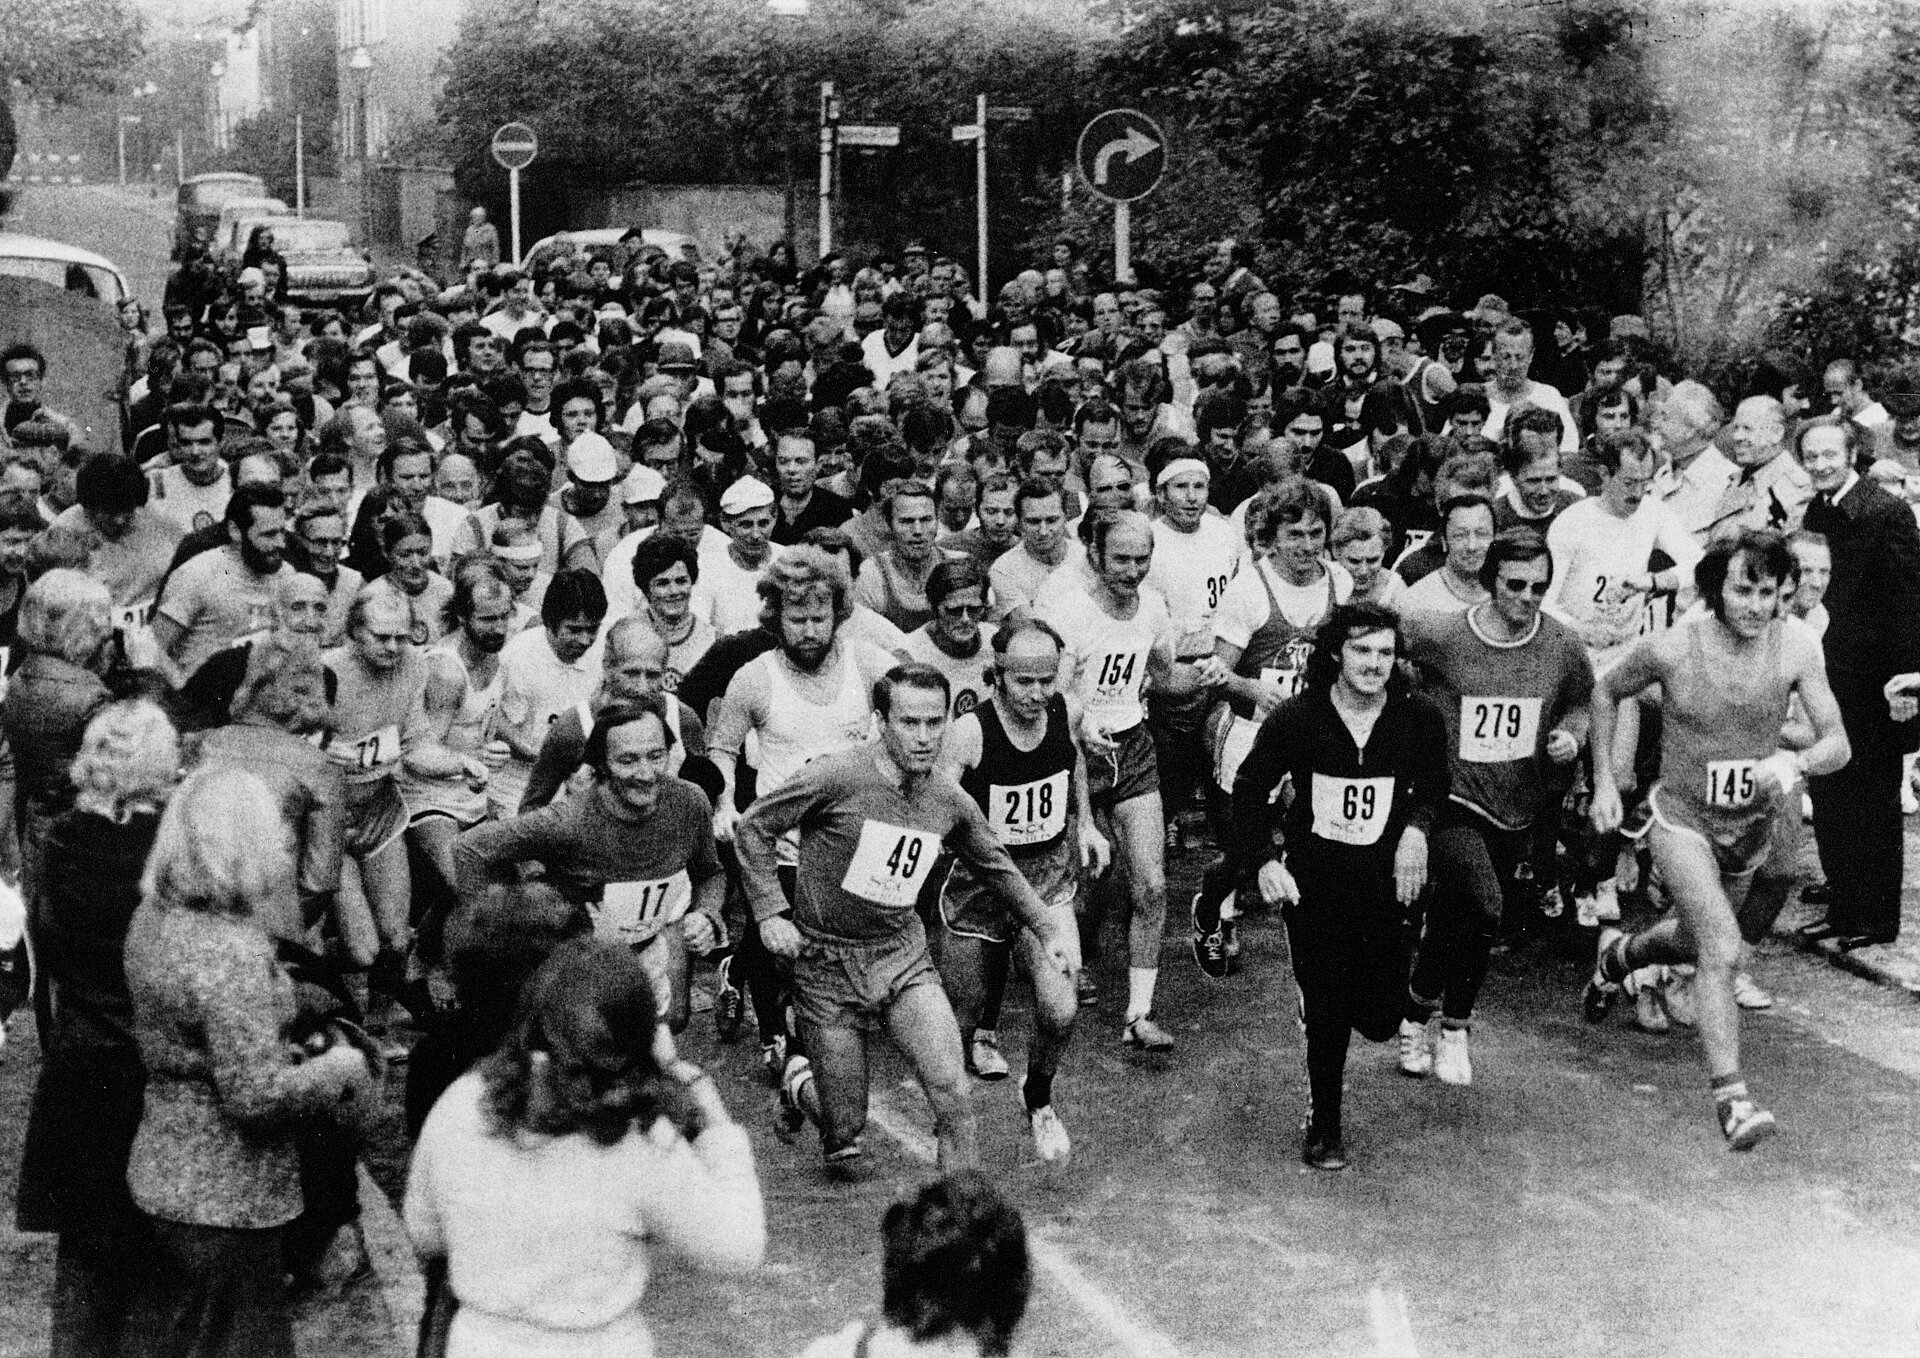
(370,752)
(1498,730)
(1732,783)
(1117,676)
(1030,813)
(1351,810)
(633,912)
(890,864)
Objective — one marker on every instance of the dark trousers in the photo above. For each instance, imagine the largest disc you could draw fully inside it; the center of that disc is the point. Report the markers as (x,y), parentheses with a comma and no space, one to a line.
(98,1276)
(1178,727)
(330,1183)
(1473,863)
(1856,813)
(1348,938)
(222,1292)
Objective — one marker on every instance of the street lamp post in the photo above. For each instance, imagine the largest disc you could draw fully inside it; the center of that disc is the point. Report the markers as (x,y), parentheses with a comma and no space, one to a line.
(795,10)
(360,62)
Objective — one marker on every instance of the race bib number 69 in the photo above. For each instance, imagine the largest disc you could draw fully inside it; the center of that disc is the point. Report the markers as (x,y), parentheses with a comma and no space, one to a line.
(890,863)
(1351,810)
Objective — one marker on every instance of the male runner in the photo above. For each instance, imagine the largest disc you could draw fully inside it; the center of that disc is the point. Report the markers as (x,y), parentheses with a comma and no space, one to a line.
(1119,635)
(1726,679)
(956,642)
(1513,688)
(1015,755)
(871,822)
(1347,853)
(635,852)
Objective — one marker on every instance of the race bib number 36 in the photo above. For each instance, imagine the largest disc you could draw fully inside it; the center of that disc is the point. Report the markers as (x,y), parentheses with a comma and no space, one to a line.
(1498,730)
(1351,810)
(890,863)
(1732,782)
(633,912)
(1030,813)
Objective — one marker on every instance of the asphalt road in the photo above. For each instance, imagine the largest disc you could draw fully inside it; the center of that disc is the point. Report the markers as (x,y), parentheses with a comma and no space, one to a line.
(1575,1201)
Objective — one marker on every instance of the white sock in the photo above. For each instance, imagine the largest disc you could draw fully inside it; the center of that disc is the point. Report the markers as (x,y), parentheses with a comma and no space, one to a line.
(1140,982)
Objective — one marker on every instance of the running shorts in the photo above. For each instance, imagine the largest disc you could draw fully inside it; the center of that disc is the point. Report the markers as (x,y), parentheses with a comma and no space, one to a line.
(969,908)
(843,983)
(376,816)
(1126,771)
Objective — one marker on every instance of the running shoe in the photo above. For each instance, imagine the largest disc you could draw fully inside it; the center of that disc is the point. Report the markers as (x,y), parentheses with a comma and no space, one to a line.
(1585,914)
(1649,1009)
(1323,1150)
(1209,945)
(1416,1053)
(729,1005)
(1086,989)
(796,1091)
(1637,819)
(1608,972)
(773,1059)
(1230,928)
(1451,1064)
(1143,1034)
(1050,1140)
(1606,902)
(1173,836)
(984,1058)
(1677,997)
(843,1162)
(1745,1124)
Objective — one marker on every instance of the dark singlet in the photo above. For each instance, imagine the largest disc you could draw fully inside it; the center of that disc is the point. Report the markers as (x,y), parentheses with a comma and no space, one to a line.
(1026,794)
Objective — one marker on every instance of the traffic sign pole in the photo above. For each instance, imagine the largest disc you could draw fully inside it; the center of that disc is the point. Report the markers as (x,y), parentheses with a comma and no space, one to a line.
(1122,242)
(513,211)
(980,192)
(514,147)
(827,131)
(1122,155)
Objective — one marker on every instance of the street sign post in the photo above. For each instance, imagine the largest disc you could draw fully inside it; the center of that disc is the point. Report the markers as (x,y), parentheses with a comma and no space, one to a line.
(514,147)
(976,132)
(1122,155)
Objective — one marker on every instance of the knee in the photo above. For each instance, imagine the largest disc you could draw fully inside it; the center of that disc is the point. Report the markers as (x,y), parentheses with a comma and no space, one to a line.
(1719,945)
(947,1093)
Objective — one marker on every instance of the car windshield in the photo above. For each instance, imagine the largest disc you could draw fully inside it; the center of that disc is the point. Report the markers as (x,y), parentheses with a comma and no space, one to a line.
(86,279)
(309,236)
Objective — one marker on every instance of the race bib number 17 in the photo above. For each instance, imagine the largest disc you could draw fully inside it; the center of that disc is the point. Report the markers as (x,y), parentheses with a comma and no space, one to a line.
(633,912)
(890,863)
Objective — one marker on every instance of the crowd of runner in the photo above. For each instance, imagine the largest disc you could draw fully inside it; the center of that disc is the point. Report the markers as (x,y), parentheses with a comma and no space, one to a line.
(468,684)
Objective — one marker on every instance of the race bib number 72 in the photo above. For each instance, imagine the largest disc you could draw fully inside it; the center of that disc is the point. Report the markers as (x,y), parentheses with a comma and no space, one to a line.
(890,863)
(1351,810)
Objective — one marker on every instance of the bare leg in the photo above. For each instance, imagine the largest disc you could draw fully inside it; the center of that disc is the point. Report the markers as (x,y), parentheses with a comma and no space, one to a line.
(921,1023)
(389,891)
(840,1075)
(1143,847)
(1704,931)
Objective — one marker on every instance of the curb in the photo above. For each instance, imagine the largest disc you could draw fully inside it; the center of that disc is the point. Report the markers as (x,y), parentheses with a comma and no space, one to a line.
(1862,962)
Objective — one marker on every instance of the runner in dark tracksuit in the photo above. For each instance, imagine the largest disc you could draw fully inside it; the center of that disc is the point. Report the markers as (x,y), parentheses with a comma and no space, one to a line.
(1367,764)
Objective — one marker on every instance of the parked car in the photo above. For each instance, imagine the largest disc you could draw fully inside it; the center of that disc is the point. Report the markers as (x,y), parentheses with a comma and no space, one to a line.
(609,243)
(199,203)
(236,210)
(66,301)
(63,266)
(323,268)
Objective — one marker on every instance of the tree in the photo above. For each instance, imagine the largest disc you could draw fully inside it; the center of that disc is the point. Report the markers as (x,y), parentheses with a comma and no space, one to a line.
(56,50)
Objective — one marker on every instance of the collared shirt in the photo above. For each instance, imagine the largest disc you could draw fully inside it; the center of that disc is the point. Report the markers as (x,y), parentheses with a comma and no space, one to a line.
(1773,495)
(1693,493)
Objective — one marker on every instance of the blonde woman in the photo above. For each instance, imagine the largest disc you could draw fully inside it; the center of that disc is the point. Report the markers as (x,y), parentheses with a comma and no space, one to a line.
(86,1104)
(214,1164)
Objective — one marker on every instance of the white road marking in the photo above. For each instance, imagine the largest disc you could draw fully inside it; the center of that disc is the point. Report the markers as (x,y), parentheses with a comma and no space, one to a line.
(1129,1335)
(1387,1318)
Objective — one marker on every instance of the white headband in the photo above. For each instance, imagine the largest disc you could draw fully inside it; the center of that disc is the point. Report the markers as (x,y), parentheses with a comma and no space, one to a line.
(519,551)
(1180,466)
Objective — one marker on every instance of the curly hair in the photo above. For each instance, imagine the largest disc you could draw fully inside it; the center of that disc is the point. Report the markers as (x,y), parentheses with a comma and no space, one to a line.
(801,573)
(129,759)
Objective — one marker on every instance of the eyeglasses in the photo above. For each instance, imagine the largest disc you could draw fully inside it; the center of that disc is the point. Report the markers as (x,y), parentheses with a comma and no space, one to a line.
(1537,588)
(962,610)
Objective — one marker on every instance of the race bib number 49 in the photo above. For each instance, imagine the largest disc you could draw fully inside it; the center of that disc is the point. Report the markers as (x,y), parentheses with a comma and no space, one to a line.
(1732,783)
(1030,813)
(1351,810)
(890,863)
(1498,730)
(633,912)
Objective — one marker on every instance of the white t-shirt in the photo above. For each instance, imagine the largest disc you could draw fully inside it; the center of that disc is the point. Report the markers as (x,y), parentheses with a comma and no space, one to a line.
(1107,656)
(1017,577)
(1431,594)
(1193,571)
(1244,610)
(1593,551)
(733,589)
(536,686)
(185,505)
(1536,394)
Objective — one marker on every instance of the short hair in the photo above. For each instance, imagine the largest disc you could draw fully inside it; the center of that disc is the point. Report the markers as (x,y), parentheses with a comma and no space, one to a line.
(111,483)
(1288,500)
(271,659)
(1610,450)
(910,674)
(66,614)
(1514,328)
(1529,419)
(1514,544)
(184,415)
(657,552)
(621,714)
(1347,621)
(246,501)
(128,760)
(13,353)
(1453,504)
(1764,547)
(1034,489)
(573,594)
(221,847)
(954,1259)
(1358,525)
(1849,432)
(1106,525)
(951,576)
(400,527)
(1700,406)
(905,489)
(797,574)
(1468,399)
(473,577)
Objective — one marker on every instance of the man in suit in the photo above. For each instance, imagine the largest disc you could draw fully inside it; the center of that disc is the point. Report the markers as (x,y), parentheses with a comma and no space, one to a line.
(1874,633)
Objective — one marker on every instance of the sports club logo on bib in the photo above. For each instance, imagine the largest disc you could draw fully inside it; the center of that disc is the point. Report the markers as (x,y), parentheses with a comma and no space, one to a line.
(1732,783)
(1116,678)
(633,912)
(1030,813)
(1351,810)
(890,864)
(1498,730)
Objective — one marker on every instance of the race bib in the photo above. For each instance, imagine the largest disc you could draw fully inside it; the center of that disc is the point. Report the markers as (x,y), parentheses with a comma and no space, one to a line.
(1732,783)
(1116,679)
(1351,810)
(633,912)
(371,751)
(1030,813)
(1289,672)
(1498,730)
(132,616)
(890,863)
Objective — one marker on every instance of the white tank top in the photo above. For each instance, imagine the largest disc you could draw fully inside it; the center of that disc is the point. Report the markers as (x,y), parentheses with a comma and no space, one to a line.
(470,728)
(798,730)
